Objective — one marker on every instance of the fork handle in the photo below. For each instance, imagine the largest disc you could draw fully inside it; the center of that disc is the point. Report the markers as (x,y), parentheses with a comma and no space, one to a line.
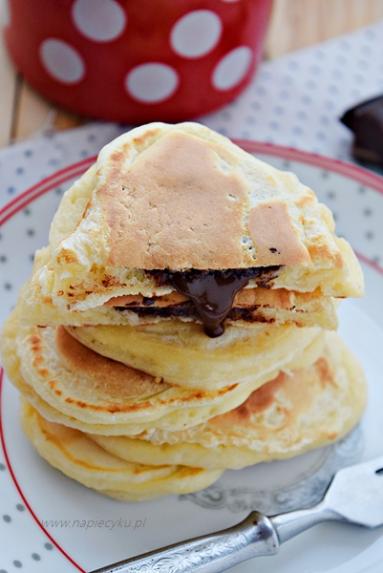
(288,525)
(253,537)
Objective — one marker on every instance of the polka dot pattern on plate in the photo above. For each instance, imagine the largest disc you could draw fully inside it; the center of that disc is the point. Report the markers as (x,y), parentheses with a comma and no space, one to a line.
(152,82)
(99,20)
(202,24)
(232,68)
(62,61)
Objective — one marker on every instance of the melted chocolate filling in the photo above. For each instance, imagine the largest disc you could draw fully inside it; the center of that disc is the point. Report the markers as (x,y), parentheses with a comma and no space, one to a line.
(212,292)
(186,309)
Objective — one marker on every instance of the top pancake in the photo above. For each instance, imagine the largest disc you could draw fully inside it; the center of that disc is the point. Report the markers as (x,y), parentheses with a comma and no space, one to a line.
(250,306)
(183,197)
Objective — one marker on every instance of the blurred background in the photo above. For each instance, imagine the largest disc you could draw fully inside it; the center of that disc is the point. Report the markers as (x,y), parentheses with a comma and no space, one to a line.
(294,24)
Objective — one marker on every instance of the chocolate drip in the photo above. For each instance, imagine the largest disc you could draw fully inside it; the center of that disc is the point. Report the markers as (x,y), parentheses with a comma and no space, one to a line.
(212,292)
(186,309)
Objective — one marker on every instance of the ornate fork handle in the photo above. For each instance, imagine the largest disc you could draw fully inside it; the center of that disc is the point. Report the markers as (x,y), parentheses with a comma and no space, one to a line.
(254,536)
(353,496)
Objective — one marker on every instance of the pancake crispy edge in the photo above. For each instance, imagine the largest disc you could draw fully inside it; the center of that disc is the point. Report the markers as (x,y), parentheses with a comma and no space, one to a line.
(119,220)
(79,458)
(286,417)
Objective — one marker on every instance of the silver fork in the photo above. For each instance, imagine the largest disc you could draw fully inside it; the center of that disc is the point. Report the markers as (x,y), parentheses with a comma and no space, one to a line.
(355,496)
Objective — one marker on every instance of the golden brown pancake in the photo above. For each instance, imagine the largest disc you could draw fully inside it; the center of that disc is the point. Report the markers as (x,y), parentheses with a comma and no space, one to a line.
(81,459)
(183,198)
(299,410)
(253,304)
(182,354)
(70,384)
(175,321)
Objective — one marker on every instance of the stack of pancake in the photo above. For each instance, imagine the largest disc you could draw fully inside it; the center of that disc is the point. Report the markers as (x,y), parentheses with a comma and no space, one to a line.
(182,319)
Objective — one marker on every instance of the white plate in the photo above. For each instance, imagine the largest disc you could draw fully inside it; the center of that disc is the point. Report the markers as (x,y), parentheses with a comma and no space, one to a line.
(51,523)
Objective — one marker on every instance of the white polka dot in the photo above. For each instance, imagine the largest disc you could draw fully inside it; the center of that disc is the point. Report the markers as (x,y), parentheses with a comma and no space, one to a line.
(99,20)
(196,33)
(62,61)
(6,13)
(232,68)
(151,83)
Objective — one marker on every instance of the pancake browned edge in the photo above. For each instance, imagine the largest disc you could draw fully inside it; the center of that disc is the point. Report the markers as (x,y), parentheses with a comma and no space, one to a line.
(70,384)
(81,459)
(177,222)
(297,411)
(250,306)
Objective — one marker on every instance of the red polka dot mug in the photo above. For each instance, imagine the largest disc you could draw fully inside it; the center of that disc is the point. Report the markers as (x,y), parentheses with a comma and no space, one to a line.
(137,60)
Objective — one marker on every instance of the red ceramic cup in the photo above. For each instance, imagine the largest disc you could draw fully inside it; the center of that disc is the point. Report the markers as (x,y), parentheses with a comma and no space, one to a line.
(137,60)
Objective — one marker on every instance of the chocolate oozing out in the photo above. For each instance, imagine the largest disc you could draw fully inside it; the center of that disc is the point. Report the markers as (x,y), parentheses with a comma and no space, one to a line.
(187,309)
(365,120)
(210,292)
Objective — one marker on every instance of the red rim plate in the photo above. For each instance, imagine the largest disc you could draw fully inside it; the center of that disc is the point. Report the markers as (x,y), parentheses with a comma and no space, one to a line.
(359,174)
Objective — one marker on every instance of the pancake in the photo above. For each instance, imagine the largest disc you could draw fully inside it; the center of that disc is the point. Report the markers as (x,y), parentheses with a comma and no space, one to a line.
(296,412)
(70,384)
(251,305)
(81,459)
(178,322)
(182,354)
(183,198)
(278,306)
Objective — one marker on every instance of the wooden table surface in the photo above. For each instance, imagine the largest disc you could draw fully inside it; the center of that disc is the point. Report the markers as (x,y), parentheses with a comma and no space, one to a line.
(295,24)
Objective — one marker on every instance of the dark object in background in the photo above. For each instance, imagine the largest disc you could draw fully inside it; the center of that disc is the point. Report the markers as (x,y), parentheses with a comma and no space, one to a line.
(366,122)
